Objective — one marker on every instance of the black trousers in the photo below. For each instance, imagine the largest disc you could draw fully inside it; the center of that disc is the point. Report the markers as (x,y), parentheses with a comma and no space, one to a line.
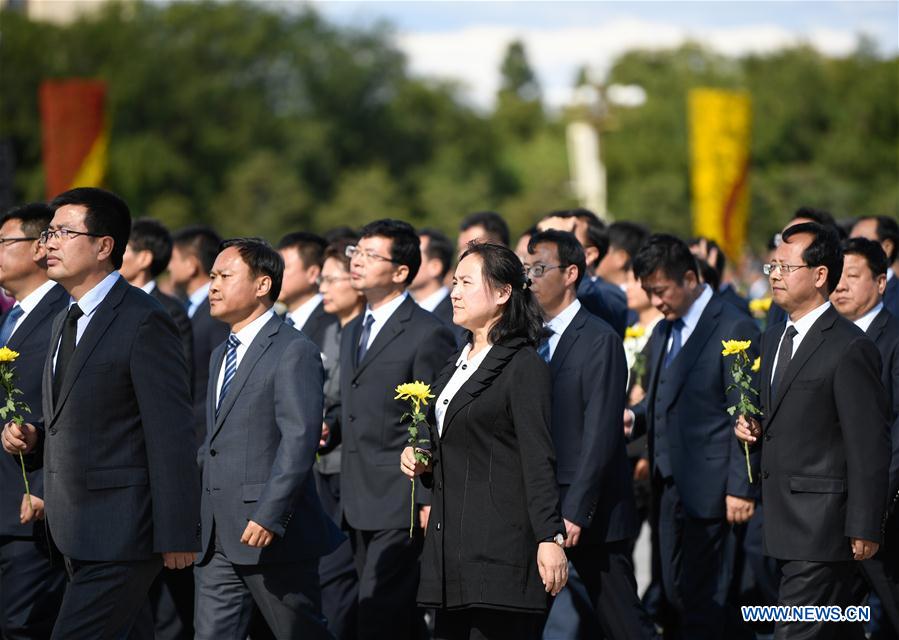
(387,565)
(487,624)
(103,599)
(818,583)
(31,588)
(340,584)
(608,575)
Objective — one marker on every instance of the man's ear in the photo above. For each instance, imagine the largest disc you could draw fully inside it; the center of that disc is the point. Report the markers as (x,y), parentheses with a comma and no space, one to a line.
(400,274)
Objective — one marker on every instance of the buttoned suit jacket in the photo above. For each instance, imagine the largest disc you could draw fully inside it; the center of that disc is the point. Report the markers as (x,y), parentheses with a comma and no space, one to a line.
(412,345)
(257,459)
(31,340)
(825,450)
(120,475)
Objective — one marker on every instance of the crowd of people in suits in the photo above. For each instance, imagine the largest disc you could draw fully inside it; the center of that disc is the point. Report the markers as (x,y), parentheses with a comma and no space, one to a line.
(214,450)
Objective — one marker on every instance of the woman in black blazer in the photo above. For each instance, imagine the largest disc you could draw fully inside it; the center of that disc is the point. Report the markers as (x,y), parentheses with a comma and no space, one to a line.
(493,550)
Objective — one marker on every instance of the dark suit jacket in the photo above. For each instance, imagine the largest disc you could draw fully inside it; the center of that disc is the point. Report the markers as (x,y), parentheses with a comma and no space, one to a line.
(691,397)
(891,296)
(208,334)
(730,295)
(412,345)
(259,450)
(494,491)
(605,301)
(317,324)
(884,331)
(176,309)
(826,445)
(589,373)
(121,481)
(444,313)
(31,339)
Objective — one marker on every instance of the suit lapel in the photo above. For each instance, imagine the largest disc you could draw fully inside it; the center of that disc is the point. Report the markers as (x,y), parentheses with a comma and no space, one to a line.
(36,317)
(388,333)
(878,325)
(47,388)
(680,367)
(566,341)
(255,351)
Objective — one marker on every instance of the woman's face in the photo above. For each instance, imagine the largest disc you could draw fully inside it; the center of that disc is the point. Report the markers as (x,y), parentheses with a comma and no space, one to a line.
(637,300)
(338,296)
(475,304)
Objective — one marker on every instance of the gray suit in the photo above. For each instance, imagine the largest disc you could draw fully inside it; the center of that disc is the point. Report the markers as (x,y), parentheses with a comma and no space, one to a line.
(257,465)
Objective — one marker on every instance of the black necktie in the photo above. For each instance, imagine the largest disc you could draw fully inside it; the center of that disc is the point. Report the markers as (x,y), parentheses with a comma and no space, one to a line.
(363,339)
(784,355)
(676,341)
(66,347)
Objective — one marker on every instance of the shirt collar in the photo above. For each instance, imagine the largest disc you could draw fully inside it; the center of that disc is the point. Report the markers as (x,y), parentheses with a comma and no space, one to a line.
(29,302)
(865,321)
(383,313)
(148,288)
(890,274)
(92,299)
(197,297)
(474,362)
(430,302)
(805,322)
(249,332)
(301,314)
(691,318)
(560,323)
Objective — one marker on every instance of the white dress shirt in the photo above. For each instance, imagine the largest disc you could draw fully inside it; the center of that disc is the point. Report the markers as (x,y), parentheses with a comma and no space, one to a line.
(382,315)
(196,299)
(802,327)
(465,368)
(88,304)
(558,325)
(865,321)
(430,303)
(246,337)
(29,302)
(691,318)
(148,288)
(301,316)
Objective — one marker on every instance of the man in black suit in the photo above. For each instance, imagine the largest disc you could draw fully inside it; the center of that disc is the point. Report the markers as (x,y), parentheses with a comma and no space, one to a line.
(884,230)
(392,342)
(31,584)
(428,288)
(121,482)
(304,255)
(700,481)
(193,254)
(824,436)
(589,370)
(603,299)
(859,298)
(264,529)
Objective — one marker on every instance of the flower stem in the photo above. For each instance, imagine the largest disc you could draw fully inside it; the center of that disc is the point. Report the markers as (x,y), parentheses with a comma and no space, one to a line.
(412,509)
(25,478)
(748,469)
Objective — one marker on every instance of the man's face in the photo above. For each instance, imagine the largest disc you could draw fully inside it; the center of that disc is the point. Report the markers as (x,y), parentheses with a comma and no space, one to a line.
(134,262)
(234,291)
(182,267)
(867,228)
(299,280)
(858,291)
(793,290)
(18,258)
(521,248)
(669,296)
(578,227)
(371,268)
(73,258)
(476,232)
(430,267)
(550,288)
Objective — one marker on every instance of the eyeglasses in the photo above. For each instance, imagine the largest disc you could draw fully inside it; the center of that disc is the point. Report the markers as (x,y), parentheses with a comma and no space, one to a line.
(329,280)
(64,234)
(8,241)
(768,269)
(353,251)
(538,270)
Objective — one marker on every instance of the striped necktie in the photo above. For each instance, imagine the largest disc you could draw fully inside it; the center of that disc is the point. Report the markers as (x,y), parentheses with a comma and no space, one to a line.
(9,323)
(230,369)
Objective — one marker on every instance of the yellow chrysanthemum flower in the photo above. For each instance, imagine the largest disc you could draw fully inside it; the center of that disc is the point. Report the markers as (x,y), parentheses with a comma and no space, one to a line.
(8,355)
(733,347)
(417,392)
(636,331)
(756,364)
(761,305)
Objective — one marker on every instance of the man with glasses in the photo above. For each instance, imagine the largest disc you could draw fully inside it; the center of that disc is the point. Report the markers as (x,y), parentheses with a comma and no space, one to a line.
(31,583)
(392,342)
(824,435)
(700,482)
(121,481)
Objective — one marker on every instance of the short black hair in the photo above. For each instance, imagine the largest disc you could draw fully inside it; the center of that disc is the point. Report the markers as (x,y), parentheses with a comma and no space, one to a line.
(201,241)
(818,215)
(567,246)
(597,232)
(667,253)
(310,246)
(871,251)
(107,215)
(521,317)
(439,247)
(721,262)
(628,236)
(493,223)
(710,275)
(823,251)
(887,229)
(34,217)
(151,235)
(262,260)
(340,233)
(404,245)
(337,251)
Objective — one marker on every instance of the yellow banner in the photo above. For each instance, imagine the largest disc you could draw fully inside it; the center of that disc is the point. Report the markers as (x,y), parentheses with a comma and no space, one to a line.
(720,128)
